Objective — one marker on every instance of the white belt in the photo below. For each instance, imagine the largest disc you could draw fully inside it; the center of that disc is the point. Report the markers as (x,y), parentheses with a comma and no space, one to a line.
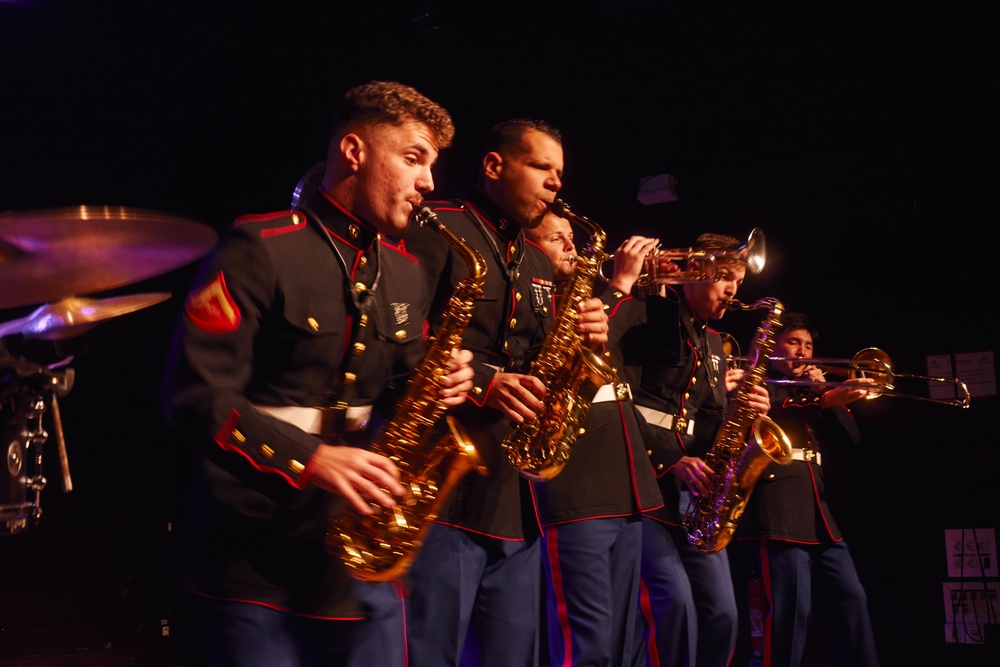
(323,421)
(613,391)
(810,455)
(667,421)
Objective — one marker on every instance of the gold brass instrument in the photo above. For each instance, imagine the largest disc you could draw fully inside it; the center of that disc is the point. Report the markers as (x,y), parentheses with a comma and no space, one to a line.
(571,372)
(745,445)
(870,362)
(753,252)
(381,546)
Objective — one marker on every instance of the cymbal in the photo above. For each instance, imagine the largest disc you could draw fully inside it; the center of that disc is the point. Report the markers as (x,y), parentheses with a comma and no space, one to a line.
(73,316)
(53,254)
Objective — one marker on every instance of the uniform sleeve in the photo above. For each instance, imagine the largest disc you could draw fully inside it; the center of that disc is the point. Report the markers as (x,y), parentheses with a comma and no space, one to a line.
(209,367)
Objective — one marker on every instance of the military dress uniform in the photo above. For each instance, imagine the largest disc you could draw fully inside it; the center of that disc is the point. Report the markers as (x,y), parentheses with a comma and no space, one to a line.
(799,548)
(688,605)
(475,584)
(301,329)
(590,514)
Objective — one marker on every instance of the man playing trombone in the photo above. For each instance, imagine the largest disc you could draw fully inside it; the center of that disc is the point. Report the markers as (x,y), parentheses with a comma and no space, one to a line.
(798,546)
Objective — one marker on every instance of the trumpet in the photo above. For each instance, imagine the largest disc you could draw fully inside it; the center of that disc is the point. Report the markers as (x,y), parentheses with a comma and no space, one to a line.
(870,362)
(753,253)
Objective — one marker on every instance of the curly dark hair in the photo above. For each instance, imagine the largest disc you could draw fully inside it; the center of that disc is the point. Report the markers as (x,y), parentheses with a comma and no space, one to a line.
(390,103)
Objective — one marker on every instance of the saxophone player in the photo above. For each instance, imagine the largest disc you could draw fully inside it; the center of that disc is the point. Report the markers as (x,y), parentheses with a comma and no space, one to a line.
(688,608)
(591,512)
(272,413)
(475,586)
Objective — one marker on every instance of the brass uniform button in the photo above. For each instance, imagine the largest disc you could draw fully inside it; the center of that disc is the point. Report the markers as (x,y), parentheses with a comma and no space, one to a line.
(296,467)
(266,451)
(401,334)
(358,349)
(353,231)
(313,324)
(350,378)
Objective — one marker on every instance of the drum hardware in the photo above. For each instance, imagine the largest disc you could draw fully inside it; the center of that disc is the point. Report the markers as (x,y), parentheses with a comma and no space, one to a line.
(34,394)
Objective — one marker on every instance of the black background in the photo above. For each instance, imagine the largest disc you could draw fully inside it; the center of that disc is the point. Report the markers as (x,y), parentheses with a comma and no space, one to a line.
(862,138)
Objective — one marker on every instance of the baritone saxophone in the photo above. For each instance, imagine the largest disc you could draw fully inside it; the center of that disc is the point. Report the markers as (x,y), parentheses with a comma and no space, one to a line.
(381,546)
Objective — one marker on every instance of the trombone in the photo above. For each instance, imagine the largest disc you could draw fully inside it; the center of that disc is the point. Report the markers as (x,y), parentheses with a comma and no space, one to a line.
(871,362)
(753,253)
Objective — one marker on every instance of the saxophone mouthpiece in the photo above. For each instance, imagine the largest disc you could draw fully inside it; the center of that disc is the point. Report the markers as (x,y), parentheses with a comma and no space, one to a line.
(425,217)
(558,207)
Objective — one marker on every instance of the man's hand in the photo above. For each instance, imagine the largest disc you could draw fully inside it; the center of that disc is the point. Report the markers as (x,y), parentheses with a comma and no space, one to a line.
(454,387)
(356,474)
(593,321)
(758,400)
(851,390)
(517,396)
(630,259)
(695,473)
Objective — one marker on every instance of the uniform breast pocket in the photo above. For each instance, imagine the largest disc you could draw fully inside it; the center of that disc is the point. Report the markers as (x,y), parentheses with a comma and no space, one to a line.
(311,336)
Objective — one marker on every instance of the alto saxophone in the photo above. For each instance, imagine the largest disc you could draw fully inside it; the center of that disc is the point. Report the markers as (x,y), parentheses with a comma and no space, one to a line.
(571,372)
(381,546)
(744,446)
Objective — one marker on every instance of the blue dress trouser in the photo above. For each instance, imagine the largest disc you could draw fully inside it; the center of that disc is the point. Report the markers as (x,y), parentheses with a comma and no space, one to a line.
(474,601)
(592,592)
(689,606)
(792,574)
(251,635)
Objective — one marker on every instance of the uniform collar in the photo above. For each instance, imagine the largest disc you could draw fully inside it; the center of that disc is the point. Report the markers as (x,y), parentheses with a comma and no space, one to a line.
(341,224)
(501,222)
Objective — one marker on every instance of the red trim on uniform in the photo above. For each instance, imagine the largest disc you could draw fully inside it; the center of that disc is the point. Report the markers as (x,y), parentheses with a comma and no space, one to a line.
(222,440)
(559,592)
(260,217)
(646,610)
(275,607)
(612,312)
(212,309)
(479,532)
(400,249)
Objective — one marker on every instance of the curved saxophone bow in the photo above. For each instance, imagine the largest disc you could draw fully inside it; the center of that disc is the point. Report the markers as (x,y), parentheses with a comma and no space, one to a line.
(381,546)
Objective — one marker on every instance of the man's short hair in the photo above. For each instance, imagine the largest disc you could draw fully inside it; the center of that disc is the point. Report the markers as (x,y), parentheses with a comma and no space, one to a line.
(505,137)
(710,242)
(793,321)
(390,103)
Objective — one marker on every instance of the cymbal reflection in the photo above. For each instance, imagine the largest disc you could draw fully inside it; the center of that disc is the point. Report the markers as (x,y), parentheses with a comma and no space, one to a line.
(50,255)
(72,317)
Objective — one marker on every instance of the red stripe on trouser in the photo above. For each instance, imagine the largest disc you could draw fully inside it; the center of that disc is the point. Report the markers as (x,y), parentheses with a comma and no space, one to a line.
(559,593)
